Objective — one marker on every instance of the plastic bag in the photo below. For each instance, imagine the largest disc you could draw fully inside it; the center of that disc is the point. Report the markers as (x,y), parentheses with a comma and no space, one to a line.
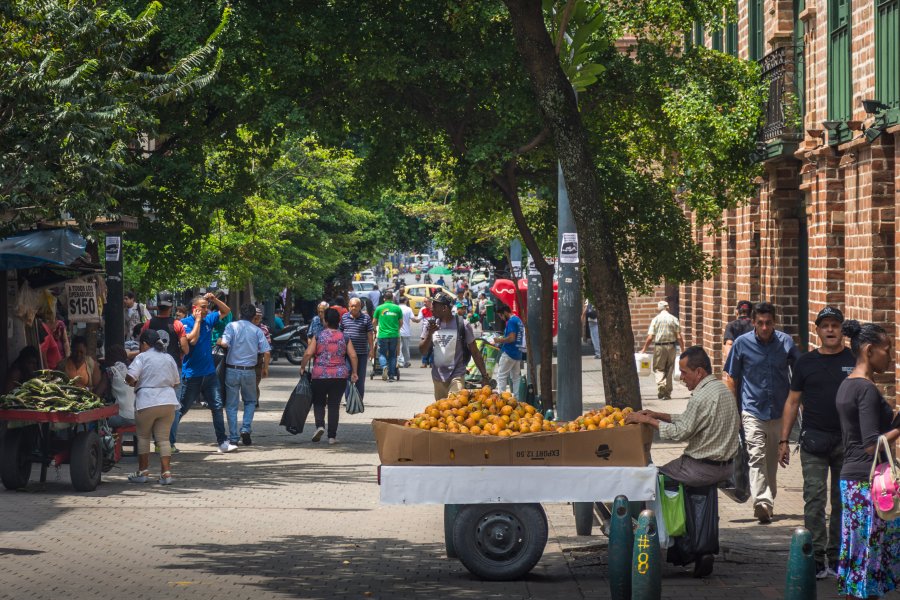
(354,402)
(297,408)
(702,526)
(738,486)
(672,503)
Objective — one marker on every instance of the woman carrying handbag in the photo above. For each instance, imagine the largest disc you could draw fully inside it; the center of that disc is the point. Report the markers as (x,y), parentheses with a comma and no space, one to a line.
(869,561)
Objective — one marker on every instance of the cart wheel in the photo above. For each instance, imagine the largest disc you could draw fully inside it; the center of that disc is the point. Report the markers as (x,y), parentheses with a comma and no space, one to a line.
(15,457)
(86,462)
(584,517)
(451,512)
(500,542)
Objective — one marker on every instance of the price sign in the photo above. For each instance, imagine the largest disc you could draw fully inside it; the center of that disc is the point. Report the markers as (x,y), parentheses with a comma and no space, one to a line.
(83,307)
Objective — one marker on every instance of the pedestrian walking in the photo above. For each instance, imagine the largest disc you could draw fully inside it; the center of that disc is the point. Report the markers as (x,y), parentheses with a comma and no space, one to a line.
(664,332)
(198,371)
(406,330)
(360,330)
(265,360)
(426,313)
(246,343)
(814,385)
(318,322)
(387,319)
(759,377)
(154,375)
(329,352)
(589,318)
(869,560)
(741,325)
(509,367)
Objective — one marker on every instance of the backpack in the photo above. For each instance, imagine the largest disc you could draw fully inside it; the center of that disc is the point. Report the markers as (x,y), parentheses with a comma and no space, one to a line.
(168,324)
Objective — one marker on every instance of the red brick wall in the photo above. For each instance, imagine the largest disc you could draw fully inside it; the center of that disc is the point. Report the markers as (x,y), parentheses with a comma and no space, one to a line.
(643,309)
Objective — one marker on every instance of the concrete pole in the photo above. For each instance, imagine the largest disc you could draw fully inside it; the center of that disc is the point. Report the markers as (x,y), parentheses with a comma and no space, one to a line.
(568,349)
(114,312)
(534,327)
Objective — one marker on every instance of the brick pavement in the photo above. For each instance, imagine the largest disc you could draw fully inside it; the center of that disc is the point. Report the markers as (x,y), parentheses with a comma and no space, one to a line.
(287,518)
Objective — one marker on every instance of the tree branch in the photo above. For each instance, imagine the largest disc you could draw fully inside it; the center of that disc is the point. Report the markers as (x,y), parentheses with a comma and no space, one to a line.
(564,22)
(535,142)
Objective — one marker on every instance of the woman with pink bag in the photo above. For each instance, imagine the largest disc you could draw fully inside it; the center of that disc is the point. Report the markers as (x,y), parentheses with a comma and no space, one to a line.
(869,561)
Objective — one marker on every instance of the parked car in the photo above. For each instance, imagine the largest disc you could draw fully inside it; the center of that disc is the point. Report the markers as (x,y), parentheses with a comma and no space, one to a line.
(368,275)
(418,292)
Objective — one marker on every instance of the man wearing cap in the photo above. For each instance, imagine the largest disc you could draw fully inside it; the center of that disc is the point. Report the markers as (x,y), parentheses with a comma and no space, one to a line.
(453,342)
(816,379)
(664,332)
(176,343)
(759,377)
(245,342)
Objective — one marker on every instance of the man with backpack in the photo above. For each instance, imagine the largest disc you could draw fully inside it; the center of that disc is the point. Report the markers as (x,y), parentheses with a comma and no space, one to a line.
(453,342)
(135,314)
(164,321)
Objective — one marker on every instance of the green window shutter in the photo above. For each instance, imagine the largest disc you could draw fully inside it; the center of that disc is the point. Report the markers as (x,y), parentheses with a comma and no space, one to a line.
(699,34)
(840,89)
(757,25)
(731,41)
(887,52)
(688,41)
(717,39)
(800,57)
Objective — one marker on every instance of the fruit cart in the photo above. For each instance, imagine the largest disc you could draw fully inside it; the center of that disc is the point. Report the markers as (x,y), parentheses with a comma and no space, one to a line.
(54,437)
(493,519)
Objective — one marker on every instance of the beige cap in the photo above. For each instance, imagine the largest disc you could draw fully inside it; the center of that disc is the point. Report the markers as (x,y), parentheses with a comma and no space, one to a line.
(661,305)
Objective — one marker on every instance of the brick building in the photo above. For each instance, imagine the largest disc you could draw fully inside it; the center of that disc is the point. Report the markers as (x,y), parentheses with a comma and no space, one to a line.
(821,228)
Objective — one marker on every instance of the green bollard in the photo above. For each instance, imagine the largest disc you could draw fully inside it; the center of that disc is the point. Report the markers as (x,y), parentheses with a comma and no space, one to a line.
(801,571)
(646,571)
(621,542)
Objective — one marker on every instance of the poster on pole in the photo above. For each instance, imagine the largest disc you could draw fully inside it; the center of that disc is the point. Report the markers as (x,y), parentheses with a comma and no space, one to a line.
(113,248)
(83,307)
(532,269)
(568,249)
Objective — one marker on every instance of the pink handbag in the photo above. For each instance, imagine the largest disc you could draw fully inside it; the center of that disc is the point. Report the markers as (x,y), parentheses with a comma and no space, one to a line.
(885,483)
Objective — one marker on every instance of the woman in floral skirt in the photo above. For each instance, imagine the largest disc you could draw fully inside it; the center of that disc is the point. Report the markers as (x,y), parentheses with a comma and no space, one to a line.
(869,561)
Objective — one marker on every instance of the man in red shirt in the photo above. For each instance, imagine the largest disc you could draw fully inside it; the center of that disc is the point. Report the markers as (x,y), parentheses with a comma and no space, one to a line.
(426,313)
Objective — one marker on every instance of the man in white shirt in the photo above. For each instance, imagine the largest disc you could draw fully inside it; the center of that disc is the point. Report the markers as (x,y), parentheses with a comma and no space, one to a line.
(406,331)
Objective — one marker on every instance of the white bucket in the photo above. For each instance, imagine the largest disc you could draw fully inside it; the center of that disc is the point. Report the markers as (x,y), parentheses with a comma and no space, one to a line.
(643,362)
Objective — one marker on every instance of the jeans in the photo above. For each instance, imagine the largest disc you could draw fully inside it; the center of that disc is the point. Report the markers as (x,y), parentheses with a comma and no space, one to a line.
(428,358)
(595,336)
(328,392)
(387,355)
(404,350)
(815,493)
(191,389)
(762,446)
(240,385)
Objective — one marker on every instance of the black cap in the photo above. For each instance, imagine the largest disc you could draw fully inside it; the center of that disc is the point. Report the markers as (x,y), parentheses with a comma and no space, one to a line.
(829,311)
(165,299)
(443,298)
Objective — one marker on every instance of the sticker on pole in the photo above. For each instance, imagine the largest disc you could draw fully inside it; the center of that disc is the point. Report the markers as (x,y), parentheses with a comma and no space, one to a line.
(568,249)
(83,307)
(113,248)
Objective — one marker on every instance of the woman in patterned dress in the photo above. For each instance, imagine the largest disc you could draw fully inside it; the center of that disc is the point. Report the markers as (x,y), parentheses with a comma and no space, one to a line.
(329,352)
(869,560)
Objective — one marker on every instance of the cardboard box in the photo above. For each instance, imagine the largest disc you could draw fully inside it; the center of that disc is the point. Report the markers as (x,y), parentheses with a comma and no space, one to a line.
(627,446)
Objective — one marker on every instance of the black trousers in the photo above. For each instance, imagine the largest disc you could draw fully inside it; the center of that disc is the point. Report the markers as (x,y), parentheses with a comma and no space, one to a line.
(328,392)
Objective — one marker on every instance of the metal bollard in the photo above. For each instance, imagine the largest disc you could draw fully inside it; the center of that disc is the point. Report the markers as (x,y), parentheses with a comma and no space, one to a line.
(621,544)
(646,571)
(801,571)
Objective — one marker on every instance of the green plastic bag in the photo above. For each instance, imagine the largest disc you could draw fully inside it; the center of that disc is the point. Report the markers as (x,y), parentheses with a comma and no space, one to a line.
(672,508)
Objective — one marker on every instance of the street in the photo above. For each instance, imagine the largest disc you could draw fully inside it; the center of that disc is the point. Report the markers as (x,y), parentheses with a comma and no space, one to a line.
(288,518)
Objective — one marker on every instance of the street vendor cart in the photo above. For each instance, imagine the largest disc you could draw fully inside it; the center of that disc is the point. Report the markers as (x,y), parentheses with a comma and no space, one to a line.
(55,437)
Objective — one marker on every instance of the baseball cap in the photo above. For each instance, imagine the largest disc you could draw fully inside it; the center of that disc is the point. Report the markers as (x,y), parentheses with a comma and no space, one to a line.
(166,299)
(460,305)
(661,305)
(443,298)
(829,311)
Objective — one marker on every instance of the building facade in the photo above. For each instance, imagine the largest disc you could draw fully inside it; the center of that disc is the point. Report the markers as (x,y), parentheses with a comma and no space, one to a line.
(821,229)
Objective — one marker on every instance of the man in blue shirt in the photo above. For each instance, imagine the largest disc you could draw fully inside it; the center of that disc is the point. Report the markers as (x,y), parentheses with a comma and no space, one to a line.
(198,372)
(510,364)
(245,342)
(279,320)
(759,366)
(358,327)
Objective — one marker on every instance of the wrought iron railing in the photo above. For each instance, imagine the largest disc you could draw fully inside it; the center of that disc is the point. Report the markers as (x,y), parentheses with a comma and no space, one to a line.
(782,108)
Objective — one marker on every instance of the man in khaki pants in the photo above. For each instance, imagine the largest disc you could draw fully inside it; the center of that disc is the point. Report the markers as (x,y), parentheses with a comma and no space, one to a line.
(665,331)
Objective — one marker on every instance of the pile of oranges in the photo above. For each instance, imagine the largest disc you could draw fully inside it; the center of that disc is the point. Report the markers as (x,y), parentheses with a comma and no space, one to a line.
(605,418)
(482,412)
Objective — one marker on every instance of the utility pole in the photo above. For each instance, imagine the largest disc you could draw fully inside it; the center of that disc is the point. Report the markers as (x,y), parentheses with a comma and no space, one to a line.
(534,328)
(568,349)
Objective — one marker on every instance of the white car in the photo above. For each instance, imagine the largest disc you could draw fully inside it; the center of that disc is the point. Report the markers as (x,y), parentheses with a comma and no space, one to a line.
(368,275)
(366,289)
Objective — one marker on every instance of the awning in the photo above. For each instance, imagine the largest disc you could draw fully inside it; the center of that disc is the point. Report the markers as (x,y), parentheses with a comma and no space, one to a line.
(43,247)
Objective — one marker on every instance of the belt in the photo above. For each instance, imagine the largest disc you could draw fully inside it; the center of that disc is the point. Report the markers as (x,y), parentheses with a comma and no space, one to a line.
(664,343)
(240,368)
(715,463)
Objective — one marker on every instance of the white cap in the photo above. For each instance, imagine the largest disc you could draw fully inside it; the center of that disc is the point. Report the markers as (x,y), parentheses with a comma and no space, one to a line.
(661,305)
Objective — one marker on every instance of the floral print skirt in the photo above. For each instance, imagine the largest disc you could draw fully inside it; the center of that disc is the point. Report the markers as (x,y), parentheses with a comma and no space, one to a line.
(869,561)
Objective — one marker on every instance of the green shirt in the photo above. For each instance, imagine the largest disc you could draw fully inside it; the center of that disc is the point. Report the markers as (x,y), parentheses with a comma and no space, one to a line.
(388,317)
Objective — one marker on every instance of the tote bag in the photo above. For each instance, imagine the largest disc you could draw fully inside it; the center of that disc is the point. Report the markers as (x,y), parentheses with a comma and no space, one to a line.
(885,483)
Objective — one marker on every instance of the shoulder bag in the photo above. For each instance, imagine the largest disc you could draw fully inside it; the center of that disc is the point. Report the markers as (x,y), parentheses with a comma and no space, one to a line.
(885,483)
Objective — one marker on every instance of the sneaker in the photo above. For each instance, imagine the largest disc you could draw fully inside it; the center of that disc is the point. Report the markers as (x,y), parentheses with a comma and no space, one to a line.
(245,438)
(384,375)
(392,379)
(318,434)
(821,570)
(139,477)
(226,447)
(166,478)
(762,513)
(332,441)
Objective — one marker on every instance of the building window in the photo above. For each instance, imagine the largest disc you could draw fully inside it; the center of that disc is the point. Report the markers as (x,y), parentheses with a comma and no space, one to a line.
(887,53)
(840,89)
(800,57)
(716,34)
(755,10)
(688,41)
(699,34)
(731,40)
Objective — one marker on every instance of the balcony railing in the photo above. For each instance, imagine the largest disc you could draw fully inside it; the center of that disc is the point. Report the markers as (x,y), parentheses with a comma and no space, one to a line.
(782,109)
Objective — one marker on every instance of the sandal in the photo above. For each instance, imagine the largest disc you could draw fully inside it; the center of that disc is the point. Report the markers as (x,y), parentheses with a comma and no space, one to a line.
(139,476)
(165,478)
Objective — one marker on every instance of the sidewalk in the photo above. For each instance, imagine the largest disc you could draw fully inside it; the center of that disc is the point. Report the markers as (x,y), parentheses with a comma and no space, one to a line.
(287,518)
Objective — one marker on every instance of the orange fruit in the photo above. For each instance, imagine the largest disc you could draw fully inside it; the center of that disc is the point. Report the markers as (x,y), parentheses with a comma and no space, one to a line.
(475,430)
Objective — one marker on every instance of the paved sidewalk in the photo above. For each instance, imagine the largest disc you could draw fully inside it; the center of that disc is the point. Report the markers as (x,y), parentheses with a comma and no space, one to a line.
(288,518)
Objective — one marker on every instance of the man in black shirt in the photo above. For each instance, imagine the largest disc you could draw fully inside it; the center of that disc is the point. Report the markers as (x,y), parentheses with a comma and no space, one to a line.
(739,326)
(816,379)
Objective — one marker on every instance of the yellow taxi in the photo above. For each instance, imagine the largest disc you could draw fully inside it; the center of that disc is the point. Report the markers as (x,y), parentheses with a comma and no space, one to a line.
(417,293)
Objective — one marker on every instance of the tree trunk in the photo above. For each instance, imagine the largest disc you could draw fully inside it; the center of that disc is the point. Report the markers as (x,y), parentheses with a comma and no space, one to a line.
(557,102)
